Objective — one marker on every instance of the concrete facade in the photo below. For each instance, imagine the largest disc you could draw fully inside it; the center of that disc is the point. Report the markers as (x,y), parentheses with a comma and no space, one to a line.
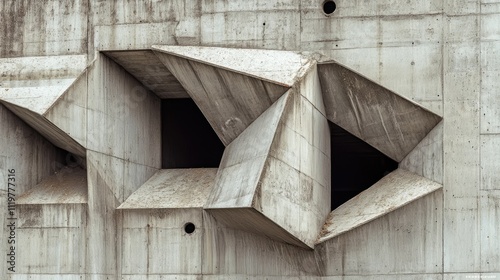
(81,84)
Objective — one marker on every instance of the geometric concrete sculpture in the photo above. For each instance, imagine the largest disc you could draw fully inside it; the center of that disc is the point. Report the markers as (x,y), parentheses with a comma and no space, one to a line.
(274,178)
(232,87)
(383,119)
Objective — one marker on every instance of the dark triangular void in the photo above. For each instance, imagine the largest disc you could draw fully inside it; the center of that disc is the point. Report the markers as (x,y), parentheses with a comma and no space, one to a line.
(188,140)
(355,165)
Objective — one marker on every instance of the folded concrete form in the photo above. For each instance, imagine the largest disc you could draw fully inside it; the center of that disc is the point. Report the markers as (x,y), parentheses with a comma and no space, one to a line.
(271,110)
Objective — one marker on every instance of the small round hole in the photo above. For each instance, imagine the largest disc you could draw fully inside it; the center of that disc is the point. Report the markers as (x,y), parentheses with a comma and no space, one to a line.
(329,7)
(189,228)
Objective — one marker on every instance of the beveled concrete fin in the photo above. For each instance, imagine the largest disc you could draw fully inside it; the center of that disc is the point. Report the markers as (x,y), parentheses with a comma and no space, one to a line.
(66,186)
(173,188)
(69,111)
(394,191)
(390,123)
(145,66)
(281,67)
(243,161)
(230,101)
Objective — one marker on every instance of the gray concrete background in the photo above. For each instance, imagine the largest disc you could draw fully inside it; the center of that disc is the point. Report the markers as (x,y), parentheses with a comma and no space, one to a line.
(441,54)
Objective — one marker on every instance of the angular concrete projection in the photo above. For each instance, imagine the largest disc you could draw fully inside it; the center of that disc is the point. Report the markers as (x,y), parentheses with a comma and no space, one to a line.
(49,93)
(67,186)
(383,119)
(145,66)
(232,87)
(274,179)
(427,158)
(173,188)
(393,191)
(281,67)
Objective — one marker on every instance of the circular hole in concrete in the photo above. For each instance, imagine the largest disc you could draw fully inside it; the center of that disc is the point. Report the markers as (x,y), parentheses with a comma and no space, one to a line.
(329,7)
(189,228)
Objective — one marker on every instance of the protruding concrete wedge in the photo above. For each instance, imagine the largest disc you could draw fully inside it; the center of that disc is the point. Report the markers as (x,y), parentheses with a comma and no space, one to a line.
(232,87)
(274,178)
(427,158)
(383,119)
(145,66)
(49,93)
(67,186)
(173,188)
(395,190)
(48,130)
(279,67)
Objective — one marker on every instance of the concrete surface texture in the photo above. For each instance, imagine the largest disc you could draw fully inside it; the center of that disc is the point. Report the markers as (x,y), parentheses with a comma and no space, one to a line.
(81,84)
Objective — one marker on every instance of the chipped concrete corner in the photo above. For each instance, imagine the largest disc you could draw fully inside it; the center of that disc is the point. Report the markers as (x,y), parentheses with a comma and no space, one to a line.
(86,194)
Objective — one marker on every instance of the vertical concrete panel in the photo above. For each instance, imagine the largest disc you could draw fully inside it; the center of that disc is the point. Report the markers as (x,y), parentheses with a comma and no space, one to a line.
(426,159)
(228,253)
(490,230)
(154,242)
(103,224)
(123,116)
(490,164)
(461,224)
(51,239)
(69,112)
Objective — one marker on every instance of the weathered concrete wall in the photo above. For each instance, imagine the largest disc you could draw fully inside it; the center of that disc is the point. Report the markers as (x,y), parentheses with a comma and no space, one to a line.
(441,54)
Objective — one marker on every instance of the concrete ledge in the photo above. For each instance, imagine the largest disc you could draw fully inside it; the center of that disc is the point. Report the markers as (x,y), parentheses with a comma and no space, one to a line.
(67,186)
(173,188)
(390,193)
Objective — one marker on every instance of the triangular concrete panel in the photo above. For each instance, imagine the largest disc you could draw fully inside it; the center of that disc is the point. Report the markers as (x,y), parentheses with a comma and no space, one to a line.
(49,93)
(173,189)
(243,161)
(394,191)
(69,111)
(383,119)
(230,101)
(48,130)
(280,67)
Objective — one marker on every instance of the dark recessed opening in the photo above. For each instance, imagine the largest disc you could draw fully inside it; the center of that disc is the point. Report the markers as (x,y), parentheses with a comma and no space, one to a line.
(329,7)
(188,140)
(355,165)
(189,228)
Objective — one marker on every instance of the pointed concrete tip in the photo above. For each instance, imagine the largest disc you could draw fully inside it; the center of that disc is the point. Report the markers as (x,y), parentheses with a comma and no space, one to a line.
(280,67)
